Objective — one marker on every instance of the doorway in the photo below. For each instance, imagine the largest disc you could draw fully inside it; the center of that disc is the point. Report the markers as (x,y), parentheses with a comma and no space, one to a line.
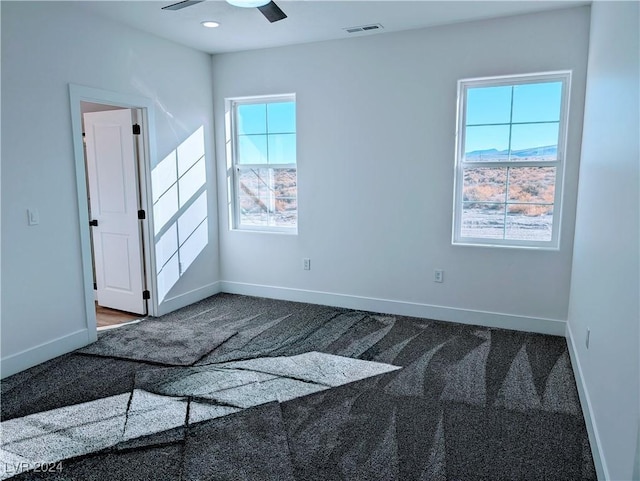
(113,186)
(111,135)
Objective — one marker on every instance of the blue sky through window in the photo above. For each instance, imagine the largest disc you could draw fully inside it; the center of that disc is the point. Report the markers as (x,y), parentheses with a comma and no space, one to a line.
(281,117)
(266,133)
(528,104)
(252,119)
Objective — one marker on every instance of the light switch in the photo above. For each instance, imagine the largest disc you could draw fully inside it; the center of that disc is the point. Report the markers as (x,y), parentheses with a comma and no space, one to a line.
(33,216)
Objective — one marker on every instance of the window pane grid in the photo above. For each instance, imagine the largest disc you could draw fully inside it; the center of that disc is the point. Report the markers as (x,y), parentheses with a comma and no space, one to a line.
(513,139)
(267,197)
(493,221)
(527,192)
(272,129)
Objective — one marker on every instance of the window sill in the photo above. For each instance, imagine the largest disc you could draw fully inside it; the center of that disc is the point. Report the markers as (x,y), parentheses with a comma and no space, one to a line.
(257,230)
(505,246)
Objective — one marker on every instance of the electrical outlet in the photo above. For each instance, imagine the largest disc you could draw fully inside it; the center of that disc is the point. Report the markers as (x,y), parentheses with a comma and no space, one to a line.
(438,275)
(306,264)
(588,338)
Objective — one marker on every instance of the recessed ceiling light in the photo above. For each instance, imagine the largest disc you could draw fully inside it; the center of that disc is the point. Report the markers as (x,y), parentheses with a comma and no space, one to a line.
(248,3)
(210,24)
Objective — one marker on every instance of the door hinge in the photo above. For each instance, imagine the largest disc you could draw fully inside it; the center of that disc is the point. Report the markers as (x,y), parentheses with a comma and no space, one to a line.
(93,223)
(142,214)
(136,129)
(146,295)
(95,286)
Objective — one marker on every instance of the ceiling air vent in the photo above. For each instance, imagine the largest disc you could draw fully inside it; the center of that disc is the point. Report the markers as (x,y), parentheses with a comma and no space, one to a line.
(364,28)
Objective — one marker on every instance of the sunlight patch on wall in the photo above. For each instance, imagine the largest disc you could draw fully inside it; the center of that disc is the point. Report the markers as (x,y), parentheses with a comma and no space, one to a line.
(179,210)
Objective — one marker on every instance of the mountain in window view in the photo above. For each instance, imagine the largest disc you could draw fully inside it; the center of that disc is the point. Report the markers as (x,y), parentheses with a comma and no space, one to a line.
(548,152)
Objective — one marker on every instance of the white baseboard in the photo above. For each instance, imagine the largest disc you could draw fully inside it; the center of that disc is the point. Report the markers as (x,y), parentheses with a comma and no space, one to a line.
(43,352)
(173,303)
(592,429)
(401,308)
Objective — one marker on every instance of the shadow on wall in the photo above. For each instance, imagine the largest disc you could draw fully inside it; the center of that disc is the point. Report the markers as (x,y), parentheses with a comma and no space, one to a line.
(178,184)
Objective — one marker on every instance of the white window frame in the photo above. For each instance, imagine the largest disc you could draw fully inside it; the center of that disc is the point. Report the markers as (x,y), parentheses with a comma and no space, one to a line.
(461,163)
(234,167)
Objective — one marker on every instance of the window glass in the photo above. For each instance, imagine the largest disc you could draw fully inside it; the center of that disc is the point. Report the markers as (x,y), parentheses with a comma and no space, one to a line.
(538,102)
(534,141)
(282,148)
(489,105)
(281,117)
(483,219)
(252,149)
(251,119)
(487,143)
(268,197)
(485,184)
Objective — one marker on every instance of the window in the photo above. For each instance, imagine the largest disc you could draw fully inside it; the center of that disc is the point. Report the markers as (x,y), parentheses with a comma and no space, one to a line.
(262,146)
(510,160)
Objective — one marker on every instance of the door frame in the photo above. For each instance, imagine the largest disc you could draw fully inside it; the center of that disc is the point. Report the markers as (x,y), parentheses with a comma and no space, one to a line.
(147,144)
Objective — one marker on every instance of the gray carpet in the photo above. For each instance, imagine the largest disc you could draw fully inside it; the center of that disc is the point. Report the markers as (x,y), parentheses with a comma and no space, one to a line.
(298,392)
(161,341)
(250,445)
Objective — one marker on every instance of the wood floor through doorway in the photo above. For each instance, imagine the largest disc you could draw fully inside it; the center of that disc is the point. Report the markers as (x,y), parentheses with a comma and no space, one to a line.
(111,317)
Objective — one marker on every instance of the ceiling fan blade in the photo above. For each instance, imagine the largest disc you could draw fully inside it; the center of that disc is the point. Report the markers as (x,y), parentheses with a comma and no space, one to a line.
(272,12)
(183,4)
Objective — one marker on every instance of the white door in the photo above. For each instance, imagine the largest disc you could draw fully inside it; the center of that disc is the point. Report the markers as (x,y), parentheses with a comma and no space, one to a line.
(112,170)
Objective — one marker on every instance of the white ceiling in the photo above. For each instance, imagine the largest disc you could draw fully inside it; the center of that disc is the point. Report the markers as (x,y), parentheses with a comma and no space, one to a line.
(308,21)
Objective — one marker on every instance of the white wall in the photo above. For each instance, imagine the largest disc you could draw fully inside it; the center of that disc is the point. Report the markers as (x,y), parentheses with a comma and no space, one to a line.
(605,284)
(376,126)
(46,46)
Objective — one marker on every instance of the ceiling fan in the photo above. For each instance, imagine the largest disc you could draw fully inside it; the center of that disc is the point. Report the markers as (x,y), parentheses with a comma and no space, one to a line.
(268,8)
